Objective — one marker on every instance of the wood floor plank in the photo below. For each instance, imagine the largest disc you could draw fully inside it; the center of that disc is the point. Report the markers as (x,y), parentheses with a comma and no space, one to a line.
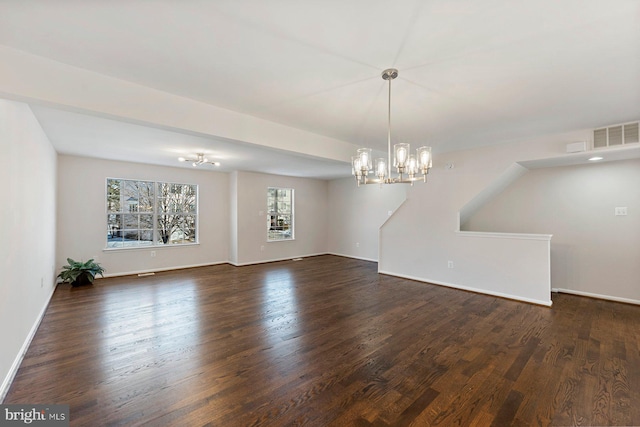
(327,341)
(508,409)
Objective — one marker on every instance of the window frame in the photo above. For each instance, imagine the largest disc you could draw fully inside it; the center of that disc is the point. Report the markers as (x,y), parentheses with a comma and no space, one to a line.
(273,228)
(156,240)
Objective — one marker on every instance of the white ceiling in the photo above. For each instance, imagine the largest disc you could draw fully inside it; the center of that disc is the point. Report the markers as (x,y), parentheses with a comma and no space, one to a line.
(472,73)
(91,136)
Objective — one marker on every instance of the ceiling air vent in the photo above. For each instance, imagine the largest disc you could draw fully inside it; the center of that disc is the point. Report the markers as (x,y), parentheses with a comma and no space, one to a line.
(616,135)
(631,134)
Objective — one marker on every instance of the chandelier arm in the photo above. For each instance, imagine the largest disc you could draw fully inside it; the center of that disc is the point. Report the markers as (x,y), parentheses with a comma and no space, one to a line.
(397,180)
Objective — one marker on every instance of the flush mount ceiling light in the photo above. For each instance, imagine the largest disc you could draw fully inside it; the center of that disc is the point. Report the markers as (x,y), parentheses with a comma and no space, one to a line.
(409,167)
(199,160)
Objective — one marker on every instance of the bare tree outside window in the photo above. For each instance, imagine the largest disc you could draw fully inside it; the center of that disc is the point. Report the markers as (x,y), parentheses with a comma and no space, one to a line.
(147,213)
(176,213)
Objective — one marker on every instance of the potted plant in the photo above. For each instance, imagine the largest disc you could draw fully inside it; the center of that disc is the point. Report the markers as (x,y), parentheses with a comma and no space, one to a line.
(80,273)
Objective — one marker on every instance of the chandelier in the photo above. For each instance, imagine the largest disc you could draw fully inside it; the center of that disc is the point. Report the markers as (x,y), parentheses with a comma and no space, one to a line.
(409,167)
(199,160)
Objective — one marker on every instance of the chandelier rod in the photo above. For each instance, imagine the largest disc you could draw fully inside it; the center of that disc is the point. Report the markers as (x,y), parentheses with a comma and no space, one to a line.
(389,132)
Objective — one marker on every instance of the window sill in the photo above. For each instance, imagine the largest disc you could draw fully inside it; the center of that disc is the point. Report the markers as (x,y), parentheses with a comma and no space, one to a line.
(149,247)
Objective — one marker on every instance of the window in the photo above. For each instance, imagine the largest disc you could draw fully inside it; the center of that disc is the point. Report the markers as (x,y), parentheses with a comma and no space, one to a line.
(147,213)
(280,218)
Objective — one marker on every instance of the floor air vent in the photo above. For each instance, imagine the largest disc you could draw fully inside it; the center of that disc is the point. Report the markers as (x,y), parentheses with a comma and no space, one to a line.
(612,136)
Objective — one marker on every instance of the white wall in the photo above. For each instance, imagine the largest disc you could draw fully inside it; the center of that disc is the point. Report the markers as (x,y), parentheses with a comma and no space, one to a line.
(28,215)
(311,205)
(356,215)
(593,251)
(82,216)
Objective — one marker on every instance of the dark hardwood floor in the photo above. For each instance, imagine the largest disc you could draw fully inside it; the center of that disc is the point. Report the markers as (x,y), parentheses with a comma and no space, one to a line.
(327,341)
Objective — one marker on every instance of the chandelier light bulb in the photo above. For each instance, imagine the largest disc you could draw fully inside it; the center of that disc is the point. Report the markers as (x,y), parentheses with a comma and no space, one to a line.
(381,168)
(424,157)
(401,153)
(365,160)
(412,165)
(355,166)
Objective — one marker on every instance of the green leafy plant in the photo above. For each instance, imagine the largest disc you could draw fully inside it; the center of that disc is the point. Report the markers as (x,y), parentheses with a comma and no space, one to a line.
(80,273)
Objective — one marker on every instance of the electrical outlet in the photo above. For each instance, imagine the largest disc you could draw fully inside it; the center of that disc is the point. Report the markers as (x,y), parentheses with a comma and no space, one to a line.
(357,244)
(450,264)
(153,254)
(262,248)
(621,211)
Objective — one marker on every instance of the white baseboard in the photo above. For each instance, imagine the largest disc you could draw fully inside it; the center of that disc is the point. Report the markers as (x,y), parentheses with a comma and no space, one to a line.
(352,256)
(265,261)
(156,270)
(472,289)
(6,383)
(598,296)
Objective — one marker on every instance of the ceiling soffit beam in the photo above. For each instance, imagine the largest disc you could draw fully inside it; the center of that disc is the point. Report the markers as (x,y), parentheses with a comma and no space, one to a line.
(31,78)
